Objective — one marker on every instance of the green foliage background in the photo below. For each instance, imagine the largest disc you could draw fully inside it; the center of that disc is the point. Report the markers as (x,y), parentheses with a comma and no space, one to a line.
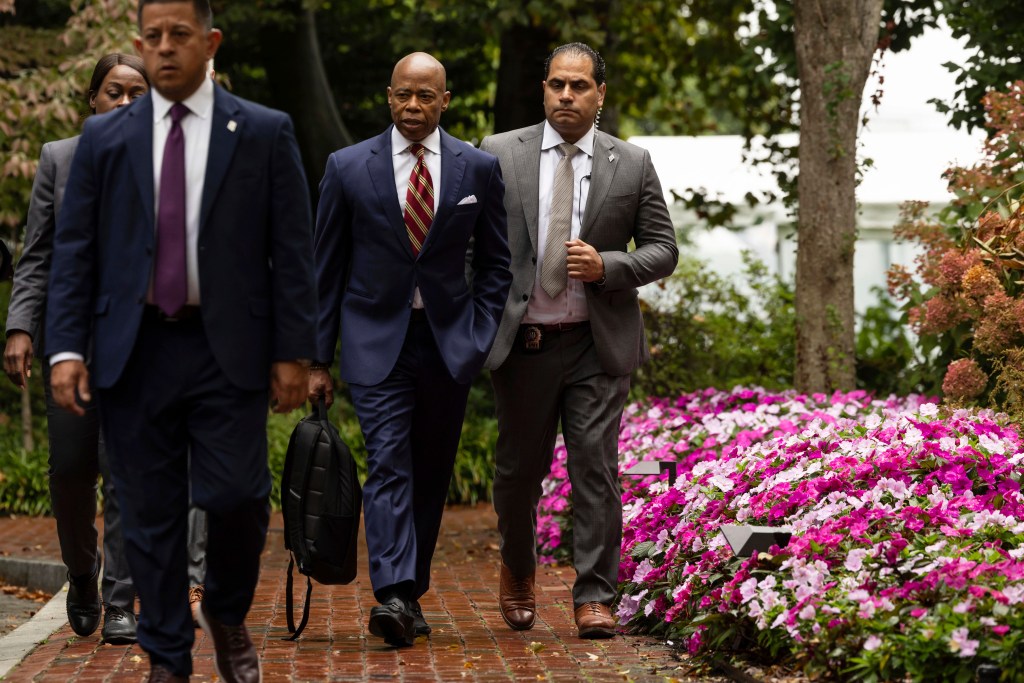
(685,66)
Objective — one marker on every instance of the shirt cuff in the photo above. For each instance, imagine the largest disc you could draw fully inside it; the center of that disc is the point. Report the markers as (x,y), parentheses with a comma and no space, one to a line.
(66,355)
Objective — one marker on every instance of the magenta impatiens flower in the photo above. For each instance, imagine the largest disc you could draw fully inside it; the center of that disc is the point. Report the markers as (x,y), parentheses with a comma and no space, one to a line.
(907,528)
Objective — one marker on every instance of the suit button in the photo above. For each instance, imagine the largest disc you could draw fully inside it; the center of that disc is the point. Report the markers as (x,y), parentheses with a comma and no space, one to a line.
(534,259)
(149,251)
(526,297)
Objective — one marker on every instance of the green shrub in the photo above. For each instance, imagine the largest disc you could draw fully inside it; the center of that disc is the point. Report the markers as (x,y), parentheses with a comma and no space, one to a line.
(888,361)
(705,330)
(24,484)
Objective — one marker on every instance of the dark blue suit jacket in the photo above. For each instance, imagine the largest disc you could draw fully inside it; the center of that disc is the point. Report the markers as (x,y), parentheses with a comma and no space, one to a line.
(366,270)
(258,298)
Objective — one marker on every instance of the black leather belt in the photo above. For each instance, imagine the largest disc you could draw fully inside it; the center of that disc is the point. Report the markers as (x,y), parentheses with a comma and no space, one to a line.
(556,327)
(154,314)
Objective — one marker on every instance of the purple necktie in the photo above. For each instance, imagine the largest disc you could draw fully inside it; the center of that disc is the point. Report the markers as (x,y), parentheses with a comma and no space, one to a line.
(170,286)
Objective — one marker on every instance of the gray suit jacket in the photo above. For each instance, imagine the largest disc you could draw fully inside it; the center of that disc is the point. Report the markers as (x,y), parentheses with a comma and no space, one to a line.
(625,204)
(27,309)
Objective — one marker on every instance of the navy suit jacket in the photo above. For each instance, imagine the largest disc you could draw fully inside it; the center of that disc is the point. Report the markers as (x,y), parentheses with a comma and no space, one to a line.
(367,272)
(258,297)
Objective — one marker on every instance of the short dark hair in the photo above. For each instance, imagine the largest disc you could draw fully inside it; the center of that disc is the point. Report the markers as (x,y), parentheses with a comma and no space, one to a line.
(103,67)
(202,7)
(578,50)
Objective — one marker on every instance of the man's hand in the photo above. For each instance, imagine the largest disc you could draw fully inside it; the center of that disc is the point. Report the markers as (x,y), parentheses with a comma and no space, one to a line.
(584,262)
(320,384)
(66,377)
(18,358)
(288,381)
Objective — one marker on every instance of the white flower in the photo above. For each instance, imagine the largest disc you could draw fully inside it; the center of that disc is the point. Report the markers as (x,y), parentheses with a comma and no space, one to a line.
(721,482)
(872,643)
(748,589)
(913,436)
(642,570)
(929,410)
(961,644)
(855,559)
(991,445)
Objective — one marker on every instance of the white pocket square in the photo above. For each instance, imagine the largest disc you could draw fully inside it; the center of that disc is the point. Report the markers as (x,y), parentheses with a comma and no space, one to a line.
(471,199)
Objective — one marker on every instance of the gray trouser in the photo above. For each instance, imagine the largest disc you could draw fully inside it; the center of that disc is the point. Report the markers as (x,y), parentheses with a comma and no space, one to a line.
(534,391)
(77,458)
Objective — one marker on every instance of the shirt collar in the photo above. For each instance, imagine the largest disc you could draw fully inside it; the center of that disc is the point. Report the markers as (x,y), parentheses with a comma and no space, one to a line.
(553,139)
(400,144)
(199,103)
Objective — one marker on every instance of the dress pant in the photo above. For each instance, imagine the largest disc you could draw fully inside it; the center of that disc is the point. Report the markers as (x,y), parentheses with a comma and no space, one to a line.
(174,423)
(534,390)
(411,423)
(196,545)
(77,458)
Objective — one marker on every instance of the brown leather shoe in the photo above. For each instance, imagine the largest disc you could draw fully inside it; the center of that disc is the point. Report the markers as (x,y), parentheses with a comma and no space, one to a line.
(236,660)
(161,674)
(516,600)
(594,620)
(195,598)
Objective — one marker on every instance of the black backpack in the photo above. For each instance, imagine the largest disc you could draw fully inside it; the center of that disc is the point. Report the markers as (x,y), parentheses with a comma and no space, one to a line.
(320,500)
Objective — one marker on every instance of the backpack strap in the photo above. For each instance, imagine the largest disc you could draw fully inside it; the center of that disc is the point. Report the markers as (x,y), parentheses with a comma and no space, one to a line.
(289,605)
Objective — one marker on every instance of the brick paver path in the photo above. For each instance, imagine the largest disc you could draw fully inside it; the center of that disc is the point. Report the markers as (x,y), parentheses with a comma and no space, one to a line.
(470,642)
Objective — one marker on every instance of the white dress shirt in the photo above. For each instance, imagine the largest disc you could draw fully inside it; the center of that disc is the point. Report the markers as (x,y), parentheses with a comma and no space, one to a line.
(571,305)
(403,161)
(196,127)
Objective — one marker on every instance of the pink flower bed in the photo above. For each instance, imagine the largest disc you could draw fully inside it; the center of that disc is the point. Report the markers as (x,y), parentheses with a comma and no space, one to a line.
(906,555)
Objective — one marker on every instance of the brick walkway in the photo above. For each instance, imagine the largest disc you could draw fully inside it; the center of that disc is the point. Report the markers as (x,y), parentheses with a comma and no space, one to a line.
(470,642)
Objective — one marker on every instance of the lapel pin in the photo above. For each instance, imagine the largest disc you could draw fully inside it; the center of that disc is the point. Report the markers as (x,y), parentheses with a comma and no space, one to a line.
(611,157)
(232,126)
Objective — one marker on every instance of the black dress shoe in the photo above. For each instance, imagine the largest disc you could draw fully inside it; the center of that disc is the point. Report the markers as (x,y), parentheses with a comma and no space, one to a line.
(236,660)
(418,622)
(394,622)
(118,626)
(161,674)
(83,603)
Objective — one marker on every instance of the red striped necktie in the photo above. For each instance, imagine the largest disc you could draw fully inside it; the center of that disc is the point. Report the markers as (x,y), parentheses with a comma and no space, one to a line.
(419,201)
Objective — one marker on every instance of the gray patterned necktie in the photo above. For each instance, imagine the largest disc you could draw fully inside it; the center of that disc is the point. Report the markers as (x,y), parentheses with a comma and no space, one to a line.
(553,272)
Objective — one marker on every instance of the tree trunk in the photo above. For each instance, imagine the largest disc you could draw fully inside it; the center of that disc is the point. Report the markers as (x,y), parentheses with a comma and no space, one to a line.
(835,42)
(28,442)
(519,99)
(298,83)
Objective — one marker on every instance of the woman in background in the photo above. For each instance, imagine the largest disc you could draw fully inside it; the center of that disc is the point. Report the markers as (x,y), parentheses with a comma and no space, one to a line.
(76,448)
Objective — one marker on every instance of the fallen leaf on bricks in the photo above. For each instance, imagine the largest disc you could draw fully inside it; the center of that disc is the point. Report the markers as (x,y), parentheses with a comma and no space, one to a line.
(535,647)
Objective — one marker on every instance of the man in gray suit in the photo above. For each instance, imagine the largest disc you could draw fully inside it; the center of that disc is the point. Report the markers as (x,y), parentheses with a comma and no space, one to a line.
(572,332)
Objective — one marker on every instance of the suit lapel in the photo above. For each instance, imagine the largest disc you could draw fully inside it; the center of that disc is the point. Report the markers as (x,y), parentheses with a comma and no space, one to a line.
(223,140)
(382,173)
(527,163)
(453,168)
(602,173)
(138,137)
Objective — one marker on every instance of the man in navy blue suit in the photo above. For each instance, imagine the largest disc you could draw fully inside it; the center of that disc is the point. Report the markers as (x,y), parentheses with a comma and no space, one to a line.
(185,251)
(401,215)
